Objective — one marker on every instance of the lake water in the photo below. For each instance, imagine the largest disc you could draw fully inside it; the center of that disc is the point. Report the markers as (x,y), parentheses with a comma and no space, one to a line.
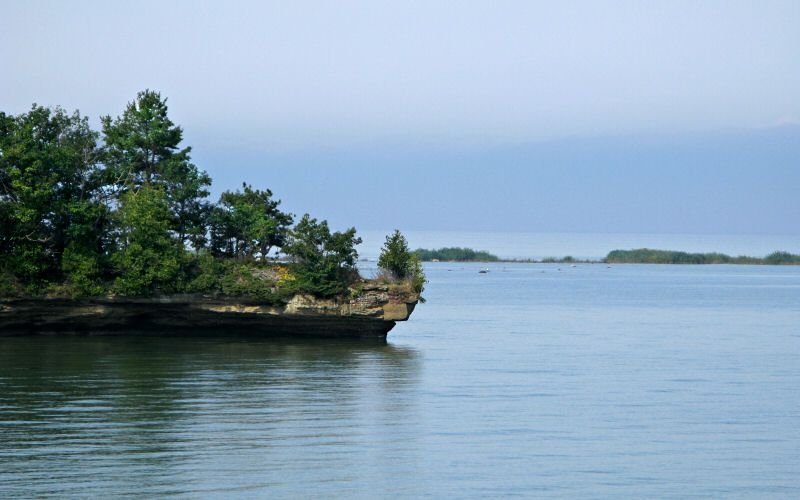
(531,380)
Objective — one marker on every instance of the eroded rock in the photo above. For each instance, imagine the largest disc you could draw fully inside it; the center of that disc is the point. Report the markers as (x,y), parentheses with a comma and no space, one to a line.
(370,311)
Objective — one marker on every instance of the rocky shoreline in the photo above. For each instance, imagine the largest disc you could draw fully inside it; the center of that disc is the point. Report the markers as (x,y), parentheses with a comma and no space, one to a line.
(372,310)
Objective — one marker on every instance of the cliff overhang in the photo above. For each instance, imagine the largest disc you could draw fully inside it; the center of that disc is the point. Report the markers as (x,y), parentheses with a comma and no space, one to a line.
(370,310)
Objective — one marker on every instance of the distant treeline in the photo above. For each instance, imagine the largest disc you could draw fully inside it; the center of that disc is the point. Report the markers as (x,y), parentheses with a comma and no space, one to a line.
(636,256)
(455,254)
(649,256)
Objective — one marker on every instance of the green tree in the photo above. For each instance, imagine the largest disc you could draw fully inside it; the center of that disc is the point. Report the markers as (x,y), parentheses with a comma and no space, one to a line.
(395,255)
(141,142)
(248,224)
(397,259)
(186,189)
(326,262)
(143,147)
(149,258)
(49,197)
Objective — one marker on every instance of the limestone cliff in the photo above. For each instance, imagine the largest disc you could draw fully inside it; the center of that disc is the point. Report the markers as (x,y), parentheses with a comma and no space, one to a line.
(371,310)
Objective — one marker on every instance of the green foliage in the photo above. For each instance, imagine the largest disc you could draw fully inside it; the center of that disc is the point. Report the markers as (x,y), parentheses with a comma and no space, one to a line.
(186,188)
(243,280)
(142,142)
(397,259)
(781,258)
(83,272)
(325,261)
(149,260)
(78,219)
(248,224)
(416,275)
(455,254)
(143,148)
(206,273)
(395,255)
(560,260)
(249,280)
(48,191)
(10,286)
(649,256)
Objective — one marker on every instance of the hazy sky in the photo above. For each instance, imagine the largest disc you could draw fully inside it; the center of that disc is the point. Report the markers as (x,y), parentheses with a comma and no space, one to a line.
(538,116)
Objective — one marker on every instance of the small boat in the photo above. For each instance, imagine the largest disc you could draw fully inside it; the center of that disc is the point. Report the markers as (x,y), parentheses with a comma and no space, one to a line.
(484,270)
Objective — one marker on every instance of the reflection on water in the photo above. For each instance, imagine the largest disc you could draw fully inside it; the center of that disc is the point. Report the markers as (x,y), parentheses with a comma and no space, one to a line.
(532,380)
(151,415)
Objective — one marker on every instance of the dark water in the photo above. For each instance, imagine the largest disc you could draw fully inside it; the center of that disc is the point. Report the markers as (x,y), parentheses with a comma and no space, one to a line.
(634,381)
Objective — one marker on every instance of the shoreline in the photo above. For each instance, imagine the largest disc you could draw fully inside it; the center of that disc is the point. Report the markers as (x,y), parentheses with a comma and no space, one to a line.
(368,312)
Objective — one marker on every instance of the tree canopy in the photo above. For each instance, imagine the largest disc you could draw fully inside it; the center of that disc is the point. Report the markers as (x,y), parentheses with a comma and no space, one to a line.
(142,147)
(400,262)
(248,224)
(49,198)
(125,211)
(326,261)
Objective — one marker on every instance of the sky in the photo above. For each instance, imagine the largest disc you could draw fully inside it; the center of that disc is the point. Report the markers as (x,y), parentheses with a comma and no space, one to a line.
(624,116)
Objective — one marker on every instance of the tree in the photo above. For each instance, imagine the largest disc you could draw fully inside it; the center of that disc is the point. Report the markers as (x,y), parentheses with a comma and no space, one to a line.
(49,205)
(149,258)
(186,188)
(143,148)
(143,141)
(248,224)
(395,255)
(326,262)
(397,259)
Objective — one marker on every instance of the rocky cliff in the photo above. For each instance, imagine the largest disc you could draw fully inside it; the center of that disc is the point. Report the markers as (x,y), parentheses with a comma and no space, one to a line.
(371,310)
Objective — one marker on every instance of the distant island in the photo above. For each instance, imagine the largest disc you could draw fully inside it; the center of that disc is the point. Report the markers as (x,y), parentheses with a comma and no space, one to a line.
(635,256)
(649,256)
(455,254)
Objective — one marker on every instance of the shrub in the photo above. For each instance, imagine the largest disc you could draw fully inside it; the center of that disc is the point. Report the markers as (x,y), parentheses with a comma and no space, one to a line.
(397,260)
(83,272)
(395,256)
(325,262)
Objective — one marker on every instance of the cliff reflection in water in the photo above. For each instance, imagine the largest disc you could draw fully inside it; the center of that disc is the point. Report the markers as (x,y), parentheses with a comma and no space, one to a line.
(153,415)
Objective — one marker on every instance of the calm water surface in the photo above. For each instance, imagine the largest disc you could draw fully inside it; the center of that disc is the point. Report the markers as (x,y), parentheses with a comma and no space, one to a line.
(531,380)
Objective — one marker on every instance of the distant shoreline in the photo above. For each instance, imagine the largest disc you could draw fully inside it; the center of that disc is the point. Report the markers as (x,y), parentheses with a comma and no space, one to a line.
(635,256)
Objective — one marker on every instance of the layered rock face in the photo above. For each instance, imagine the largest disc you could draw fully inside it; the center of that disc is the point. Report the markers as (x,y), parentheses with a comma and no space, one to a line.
(371,311)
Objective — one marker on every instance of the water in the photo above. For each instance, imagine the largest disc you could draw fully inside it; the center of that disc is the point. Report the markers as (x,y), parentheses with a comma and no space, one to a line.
(531,380)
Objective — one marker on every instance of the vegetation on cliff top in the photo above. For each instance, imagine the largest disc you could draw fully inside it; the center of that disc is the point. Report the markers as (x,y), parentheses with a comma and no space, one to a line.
(400,263)
(125,212)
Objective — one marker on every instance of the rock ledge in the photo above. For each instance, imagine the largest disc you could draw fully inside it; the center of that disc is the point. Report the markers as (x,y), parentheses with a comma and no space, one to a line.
(371,311)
